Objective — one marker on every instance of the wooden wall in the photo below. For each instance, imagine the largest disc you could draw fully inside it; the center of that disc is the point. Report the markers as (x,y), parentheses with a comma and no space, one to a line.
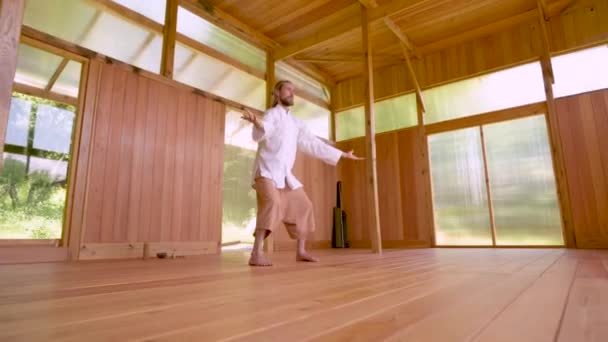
(582,24)
(403,191)
(319,181)
(11,15)
(150,163)
(583,126)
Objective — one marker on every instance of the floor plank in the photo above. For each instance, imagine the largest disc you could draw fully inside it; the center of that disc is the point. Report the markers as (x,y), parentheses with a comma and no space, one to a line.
(419,294)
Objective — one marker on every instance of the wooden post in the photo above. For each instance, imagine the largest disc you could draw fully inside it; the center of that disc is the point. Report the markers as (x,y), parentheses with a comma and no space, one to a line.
(11,18)
(332,118)
(559,168)
(488,185)
(270,80)
(169,34)
(370,138)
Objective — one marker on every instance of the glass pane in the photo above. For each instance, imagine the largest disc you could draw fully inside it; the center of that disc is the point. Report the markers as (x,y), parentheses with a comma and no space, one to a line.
(396,113)
(580,71)
(499,90)
(18,122)
(35,67)
(195,27)
(69,80)
(392,114)
(82,23)
(53,130)
(153,9)
(524,197)
(217,77)
(33,192)
(459,189)
(32,207)
(301,81)
(316,118)
(239,203)
(350,124)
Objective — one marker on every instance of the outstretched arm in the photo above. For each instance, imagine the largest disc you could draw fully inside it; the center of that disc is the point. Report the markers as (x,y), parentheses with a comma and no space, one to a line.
(262,128)
(316,147)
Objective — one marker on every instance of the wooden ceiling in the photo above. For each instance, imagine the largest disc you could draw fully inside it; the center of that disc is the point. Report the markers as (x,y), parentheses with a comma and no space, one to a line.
(327,34)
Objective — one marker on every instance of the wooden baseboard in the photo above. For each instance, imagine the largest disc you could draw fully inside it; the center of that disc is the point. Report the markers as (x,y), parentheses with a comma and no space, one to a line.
(179,249)
(32,254)
(134,250)
(291,245)
(99,251)
(391,244)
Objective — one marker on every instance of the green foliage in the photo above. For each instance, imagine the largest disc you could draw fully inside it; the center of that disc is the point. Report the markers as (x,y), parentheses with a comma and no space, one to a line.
(239,196)
(31,206)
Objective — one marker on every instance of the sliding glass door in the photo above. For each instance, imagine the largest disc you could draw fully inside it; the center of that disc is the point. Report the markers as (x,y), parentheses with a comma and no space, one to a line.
(494,185)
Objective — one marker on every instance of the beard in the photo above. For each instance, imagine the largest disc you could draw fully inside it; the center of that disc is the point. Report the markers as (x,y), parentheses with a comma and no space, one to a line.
(286,101)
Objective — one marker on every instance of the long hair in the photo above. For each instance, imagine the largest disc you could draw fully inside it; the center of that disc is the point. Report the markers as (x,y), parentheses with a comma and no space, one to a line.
(277,89)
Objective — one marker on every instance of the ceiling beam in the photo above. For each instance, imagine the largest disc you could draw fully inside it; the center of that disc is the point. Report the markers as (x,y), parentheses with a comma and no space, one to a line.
(56,74)
(546,52)
(347,58)
(544,8)
(554,8)
(375,14)
(402,37)
(369,3)
(419,97)
(216,16)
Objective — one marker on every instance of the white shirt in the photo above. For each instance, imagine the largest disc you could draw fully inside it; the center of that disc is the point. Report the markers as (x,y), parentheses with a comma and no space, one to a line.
(278,141)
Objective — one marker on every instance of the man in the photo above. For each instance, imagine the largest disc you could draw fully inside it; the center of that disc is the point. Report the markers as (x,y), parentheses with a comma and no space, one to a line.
(280,196)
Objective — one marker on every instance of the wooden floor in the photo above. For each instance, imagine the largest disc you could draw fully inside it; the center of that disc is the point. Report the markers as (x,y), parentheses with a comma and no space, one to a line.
(352,295)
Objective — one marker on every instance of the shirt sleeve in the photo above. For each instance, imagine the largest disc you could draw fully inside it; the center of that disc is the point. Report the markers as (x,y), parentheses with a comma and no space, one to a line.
(315,147)
(268,127)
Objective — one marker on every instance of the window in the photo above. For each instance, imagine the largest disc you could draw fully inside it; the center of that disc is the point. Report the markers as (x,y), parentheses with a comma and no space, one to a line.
(524,196)
(239,201)
(580,71)
(459,189)
(316,118)
(209,74)
(86,24)
(499,90)
(520,173)
(392,114)
(35,168)
(195,27)
(153,9)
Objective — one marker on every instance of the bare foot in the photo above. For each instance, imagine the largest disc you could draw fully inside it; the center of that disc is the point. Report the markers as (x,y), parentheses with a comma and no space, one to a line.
(306,257)
(258,259)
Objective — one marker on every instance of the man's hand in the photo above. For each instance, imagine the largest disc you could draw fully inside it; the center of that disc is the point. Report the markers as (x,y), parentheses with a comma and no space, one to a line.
(251,117)
(351,155)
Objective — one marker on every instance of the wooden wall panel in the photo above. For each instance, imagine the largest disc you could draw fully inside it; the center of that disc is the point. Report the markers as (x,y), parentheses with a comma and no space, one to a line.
(11,16)
(583,124)
(580,25)
(156,162)
(405,217)
(319,181)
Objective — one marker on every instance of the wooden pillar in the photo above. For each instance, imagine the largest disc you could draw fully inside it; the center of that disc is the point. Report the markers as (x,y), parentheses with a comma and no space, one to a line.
(169,33)
(11,18)
(332,115)
(555,139)
(557,153)
(270,81)
(370,138)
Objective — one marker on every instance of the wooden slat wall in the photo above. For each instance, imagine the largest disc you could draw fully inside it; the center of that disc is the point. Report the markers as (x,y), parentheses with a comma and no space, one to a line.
(581,25)
(405,217)
(11,15)
(319,181)
(155,163)
(583,121)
